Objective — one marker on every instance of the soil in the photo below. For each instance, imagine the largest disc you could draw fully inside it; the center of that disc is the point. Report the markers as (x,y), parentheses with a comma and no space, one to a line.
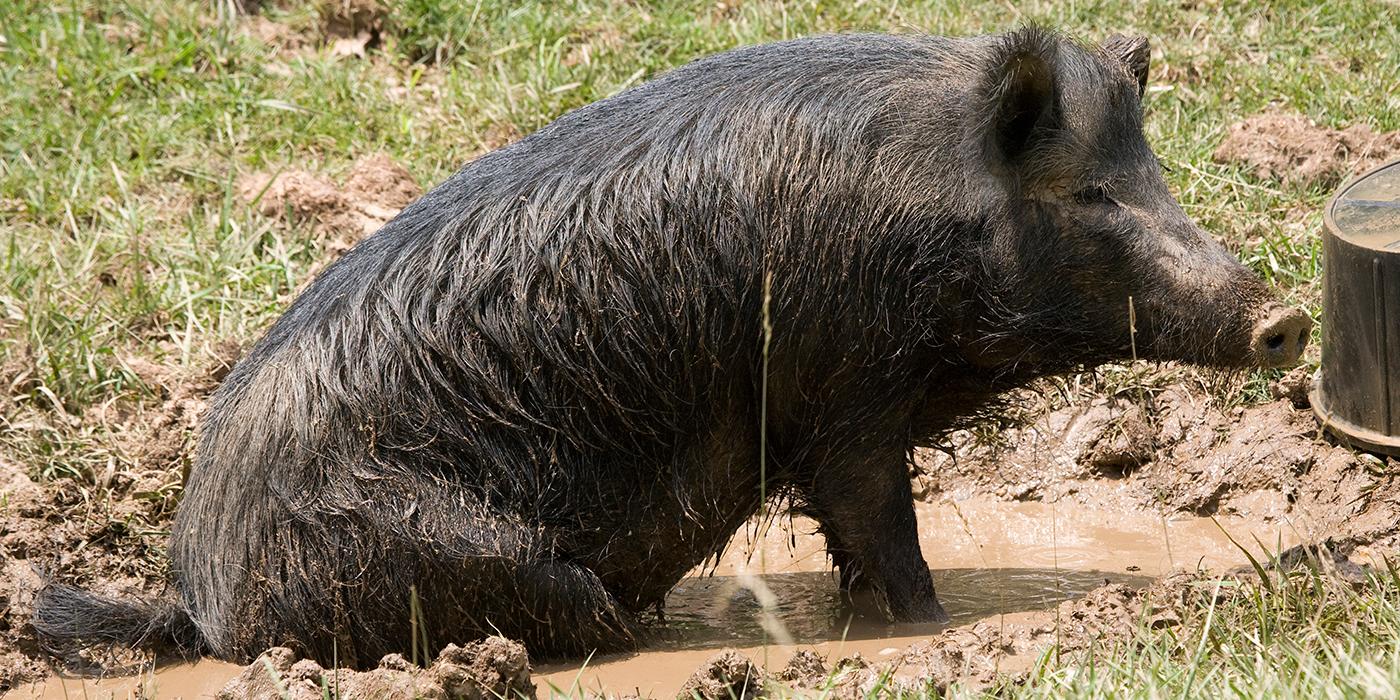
(375,191)
(1295,150)
(350,18)
(108,530)
(975,655)
(1175,450)
(1065,529)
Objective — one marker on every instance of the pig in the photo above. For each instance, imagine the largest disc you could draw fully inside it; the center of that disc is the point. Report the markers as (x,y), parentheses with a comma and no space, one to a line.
(559,381)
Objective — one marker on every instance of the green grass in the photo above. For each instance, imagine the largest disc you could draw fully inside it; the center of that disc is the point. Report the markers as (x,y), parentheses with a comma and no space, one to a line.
(125,123)
(1304,634)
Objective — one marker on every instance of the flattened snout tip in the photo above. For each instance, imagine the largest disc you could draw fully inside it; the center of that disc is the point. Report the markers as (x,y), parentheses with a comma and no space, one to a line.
(1280,336)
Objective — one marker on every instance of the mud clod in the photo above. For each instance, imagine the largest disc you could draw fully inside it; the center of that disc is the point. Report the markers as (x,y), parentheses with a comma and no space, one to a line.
(1294,149)
(1294,387)
(728,676)
(969,654)
(1331,556)
(491,668)
(805,668)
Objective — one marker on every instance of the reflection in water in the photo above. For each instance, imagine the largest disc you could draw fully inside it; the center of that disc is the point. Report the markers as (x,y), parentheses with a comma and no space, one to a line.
(718,611)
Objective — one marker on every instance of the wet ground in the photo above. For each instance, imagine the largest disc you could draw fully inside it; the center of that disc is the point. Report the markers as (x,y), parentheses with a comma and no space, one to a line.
(1061,531)
(1004,562)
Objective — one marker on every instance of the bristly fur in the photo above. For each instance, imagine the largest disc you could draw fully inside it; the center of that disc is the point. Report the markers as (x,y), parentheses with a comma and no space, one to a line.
(64,613)
(530,403)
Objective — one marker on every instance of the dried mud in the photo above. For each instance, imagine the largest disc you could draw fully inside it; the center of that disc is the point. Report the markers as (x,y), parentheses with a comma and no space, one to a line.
(1295,150)
(491,668)
(376,190)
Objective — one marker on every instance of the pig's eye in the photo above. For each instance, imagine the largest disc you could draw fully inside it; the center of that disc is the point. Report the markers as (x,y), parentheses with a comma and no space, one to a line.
(1097,194)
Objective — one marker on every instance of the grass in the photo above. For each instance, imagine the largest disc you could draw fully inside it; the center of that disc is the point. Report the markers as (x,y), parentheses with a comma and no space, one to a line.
(1301,634)
(125,124)
(1304,633)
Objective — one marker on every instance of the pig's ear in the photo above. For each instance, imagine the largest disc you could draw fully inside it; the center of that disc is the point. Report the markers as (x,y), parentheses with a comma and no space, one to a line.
(1022,95)
(1134,52)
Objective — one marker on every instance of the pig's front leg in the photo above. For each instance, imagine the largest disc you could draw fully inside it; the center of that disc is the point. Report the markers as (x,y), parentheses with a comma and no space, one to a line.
(861,500)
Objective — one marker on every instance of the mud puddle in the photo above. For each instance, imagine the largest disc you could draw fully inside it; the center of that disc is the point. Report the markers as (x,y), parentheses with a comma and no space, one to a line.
(1009,563)
(1005,562)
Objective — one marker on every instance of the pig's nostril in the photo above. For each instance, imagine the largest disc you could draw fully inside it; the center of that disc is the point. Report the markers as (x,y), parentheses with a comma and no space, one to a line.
(1280,336)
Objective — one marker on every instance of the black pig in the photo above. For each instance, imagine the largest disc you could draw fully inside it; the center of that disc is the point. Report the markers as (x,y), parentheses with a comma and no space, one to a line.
(531,403)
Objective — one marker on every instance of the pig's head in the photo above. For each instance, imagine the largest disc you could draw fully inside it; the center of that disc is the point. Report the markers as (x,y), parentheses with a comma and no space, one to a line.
(1082,221)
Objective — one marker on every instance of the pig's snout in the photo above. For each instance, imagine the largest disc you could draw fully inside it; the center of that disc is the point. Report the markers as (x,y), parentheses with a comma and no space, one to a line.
(1279,336)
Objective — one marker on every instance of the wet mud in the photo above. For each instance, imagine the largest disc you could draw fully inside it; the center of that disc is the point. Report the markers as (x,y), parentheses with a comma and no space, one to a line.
(1064,530)
(1068,530)
(1004,570)
(1176,451)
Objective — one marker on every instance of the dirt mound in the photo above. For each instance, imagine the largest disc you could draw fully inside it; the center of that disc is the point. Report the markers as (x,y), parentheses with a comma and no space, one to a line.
(728,676)
(1292,148)
(373,194)
(492,668)
(1180,451)
(352,26)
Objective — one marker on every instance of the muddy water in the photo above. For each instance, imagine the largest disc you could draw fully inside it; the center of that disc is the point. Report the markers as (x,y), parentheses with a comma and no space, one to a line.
(990,559)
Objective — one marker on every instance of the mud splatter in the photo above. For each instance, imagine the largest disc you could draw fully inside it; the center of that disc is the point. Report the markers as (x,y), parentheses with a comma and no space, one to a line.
(377,189)
(1294,149)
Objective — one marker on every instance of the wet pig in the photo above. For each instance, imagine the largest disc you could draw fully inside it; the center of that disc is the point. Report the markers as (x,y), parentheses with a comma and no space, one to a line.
(538,397)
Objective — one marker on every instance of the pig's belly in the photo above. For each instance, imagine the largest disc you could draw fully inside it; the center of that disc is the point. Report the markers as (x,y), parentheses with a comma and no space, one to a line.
(652,529)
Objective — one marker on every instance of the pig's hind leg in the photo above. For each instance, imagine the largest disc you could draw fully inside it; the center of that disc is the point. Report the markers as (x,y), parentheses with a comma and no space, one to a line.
(421,565)
(496,575)
(861,499)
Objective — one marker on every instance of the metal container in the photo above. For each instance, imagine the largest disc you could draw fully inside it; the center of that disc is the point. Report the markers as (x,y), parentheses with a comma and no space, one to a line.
(1357,393)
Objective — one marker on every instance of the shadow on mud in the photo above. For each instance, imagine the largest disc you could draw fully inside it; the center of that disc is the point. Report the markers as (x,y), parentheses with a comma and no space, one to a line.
(721,611)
